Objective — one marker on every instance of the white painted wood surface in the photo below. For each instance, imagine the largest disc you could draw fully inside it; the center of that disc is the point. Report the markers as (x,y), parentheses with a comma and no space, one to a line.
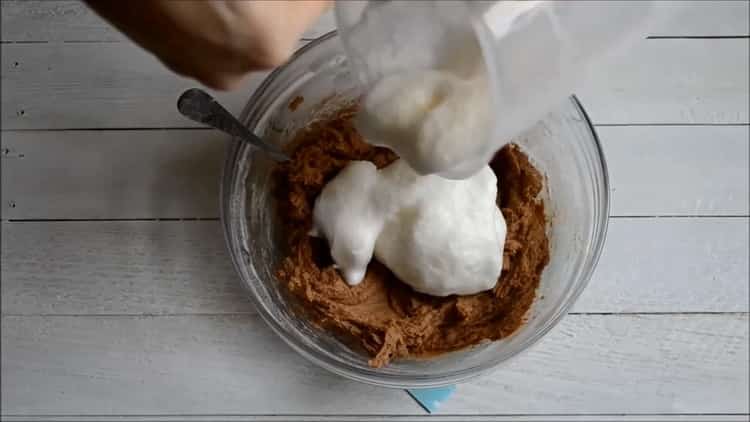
(29,21)
(144,320)
(677,170)
(71,21)
(678,81)
(134,90)
(174,173)
(112,174)
(121,86)
(390,418)
(225,364)
(181,267)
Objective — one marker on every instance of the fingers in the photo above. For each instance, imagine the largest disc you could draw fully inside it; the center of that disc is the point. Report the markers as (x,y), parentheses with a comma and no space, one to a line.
(210,76)
(255,35)
(277,27)
(216,42)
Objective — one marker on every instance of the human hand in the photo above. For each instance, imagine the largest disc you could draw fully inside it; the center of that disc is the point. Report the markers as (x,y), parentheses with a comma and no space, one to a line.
(216,42)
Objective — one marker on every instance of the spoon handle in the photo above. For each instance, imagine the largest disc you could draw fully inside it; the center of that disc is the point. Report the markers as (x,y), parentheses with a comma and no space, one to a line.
(201,107)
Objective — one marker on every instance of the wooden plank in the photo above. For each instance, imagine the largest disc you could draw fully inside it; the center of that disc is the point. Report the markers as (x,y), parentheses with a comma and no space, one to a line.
(675,81)
(175,173)
(112,174)
(120,86)
(385,418)
(55,21)
(72,21)
(659,81)
(705,19)
(123,267)
(671,265)
(179,267)
(624,364)
(678,170)
(177,365)
(218,364)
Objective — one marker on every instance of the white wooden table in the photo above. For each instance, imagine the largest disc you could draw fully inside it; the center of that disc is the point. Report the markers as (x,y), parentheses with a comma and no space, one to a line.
(119,301)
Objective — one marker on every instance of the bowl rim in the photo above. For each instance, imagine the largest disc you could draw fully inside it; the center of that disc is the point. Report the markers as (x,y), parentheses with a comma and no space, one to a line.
(314,354)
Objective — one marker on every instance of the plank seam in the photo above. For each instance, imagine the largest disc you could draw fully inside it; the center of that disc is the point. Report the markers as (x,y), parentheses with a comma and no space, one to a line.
(447,415)
(308,39)
(696,37)
(188,219)
(667,124)
(230,314)
(77,220)
(655,216)
(65,41)
(108,129)
(155,128)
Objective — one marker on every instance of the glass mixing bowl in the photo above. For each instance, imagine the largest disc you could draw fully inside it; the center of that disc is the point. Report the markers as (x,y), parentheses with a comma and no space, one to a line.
(563,146)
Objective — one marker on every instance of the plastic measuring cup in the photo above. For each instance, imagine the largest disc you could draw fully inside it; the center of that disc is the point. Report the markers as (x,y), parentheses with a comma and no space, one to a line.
(534,52)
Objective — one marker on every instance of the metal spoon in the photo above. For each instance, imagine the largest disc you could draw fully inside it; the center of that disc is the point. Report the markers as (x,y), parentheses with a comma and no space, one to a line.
(198,105)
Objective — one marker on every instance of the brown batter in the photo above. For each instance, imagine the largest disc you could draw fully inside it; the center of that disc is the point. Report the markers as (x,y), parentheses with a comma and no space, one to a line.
(382,314)
(295,103)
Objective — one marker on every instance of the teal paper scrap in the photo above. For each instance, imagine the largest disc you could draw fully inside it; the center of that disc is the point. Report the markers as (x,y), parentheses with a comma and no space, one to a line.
(431,398)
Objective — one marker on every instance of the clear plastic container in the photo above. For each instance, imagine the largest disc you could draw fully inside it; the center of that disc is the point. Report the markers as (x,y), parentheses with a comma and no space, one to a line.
(534,53)
(563,146)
